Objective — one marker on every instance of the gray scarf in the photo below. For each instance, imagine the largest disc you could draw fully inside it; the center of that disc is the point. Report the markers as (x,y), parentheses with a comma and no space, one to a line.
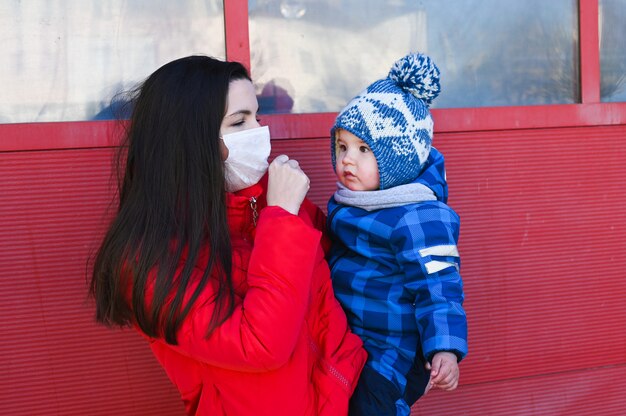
(387,198)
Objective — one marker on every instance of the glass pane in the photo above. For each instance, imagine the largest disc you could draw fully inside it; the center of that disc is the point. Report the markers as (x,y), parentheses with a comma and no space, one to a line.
(314,55)
(612,50)
(65,59)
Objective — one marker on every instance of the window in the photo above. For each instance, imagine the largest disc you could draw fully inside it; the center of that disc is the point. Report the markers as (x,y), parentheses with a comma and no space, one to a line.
(505,64)
(612,52)
(313,56)
(64,60)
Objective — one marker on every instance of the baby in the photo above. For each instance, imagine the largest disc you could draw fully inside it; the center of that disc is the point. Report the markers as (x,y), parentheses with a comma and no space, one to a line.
(394,260)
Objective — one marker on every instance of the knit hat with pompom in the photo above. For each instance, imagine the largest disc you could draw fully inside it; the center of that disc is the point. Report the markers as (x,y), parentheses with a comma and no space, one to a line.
(392,117)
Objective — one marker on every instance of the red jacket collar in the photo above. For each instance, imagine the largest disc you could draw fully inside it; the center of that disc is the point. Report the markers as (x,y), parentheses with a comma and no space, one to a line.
(239,208)
(242,198)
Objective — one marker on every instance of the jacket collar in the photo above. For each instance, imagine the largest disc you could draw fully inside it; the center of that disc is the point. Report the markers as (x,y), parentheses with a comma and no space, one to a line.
(434,175)
(239,207)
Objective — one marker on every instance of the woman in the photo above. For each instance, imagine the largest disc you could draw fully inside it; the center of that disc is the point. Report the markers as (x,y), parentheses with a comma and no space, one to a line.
(227,282)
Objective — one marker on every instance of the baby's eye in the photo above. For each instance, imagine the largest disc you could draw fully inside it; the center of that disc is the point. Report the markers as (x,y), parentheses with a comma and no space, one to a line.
(341,147)
(364,149)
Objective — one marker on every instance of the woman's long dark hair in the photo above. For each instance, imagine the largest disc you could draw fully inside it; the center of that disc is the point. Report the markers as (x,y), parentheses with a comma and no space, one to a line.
(172,202)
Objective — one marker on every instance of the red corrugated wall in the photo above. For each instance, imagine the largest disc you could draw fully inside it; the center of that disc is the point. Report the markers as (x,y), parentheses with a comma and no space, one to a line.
(53,359)
(543,256)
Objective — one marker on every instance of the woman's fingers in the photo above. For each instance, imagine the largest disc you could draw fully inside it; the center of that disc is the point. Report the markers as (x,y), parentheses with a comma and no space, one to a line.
(287,184)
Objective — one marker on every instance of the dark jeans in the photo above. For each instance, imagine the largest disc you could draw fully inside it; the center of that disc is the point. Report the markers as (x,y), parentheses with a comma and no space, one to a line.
(376,396)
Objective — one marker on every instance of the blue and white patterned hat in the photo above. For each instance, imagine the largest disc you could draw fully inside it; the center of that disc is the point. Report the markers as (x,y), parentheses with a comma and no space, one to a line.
(392,117)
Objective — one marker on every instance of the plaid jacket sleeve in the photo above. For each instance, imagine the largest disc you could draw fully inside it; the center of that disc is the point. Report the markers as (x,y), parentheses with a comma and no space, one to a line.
(425,243)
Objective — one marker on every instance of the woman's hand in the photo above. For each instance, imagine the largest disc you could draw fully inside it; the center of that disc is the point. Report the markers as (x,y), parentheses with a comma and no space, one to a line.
(287,184)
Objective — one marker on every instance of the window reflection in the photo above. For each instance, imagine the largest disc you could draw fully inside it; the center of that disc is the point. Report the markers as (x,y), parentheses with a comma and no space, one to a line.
(612,51)
(491,53)
(66,59)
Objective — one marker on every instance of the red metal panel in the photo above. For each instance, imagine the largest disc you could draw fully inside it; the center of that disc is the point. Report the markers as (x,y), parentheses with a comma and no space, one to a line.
(543,223)
(543,247)
(579,393)
(451,120)
(532,117)
(87,134)
(54,358)
(61,135)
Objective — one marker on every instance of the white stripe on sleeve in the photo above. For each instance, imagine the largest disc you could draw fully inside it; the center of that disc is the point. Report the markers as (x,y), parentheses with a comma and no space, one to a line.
(443,250)
(435,266)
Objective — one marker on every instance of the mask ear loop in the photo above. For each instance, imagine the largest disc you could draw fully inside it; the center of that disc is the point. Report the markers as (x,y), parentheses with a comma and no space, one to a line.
(223,149)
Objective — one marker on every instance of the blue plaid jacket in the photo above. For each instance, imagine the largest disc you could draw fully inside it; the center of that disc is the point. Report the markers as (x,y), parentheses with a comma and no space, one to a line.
(395,271)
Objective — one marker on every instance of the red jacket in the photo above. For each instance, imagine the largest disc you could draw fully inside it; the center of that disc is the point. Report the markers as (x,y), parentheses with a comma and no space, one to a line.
(286,349)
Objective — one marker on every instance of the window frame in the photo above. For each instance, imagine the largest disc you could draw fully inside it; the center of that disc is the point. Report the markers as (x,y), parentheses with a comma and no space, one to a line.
(589,112)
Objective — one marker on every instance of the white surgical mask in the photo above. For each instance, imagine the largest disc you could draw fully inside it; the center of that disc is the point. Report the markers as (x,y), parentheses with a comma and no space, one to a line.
(246,163)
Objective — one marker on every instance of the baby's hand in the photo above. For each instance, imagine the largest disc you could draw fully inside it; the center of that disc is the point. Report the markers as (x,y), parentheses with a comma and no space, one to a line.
(444,373)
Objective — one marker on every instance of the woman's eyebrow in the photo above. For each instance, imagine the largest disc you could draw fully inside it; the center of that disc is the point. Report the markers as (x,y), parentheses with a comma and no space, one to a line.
(240,112)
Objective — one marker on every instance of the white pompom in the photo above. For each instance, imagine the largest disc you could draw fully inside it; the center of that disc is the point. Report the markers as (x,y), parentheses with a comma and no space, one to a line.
(417,74)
